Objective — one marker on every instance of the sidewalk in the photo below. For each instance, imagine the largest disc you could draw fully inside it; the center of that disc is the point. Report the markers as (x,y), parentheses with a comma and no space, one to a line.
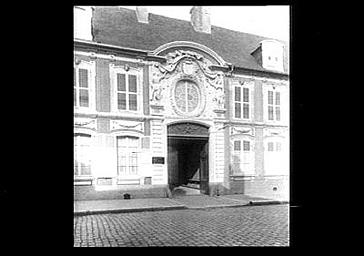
(175,203)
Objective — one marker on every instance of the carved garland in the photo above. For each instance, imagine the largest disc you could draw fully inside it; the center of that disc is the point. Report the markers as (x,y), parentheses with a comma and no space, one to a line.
(188,129)
(242,131)
(188,59)
(128,125)
(85,123)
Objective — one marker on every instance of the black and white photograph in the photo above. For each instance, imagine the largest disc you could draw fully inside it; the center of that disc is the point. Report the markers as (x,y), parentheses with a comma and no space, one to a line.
(181,126)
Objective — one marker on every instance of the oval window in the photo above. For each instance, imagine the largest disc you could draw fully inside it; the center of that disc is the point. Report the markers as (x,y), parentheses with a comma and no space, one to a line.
(187,96)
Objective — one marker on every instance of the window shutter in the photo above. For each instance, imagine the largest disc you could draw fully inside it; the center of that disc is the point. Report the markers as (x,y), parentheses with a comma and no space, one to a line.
(270,97)
(121,82)
(237,93)
(83,78)
(245,94)
(246,145)
(237,145)
(278,98)
(74,77)
(237,110)
(132,83)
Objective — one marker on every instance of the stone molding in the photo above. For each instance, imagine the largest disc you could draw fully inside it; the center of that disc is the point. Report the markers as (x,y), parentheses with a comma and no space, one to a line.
(123,124)
(85,123)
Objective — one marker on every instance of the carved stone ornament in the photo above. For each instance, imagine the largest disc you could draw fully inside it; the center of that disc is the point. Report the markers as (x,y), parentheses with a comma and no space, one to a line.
(275,132)
(242,131)
(130,125)
(188,63)
(85,123)
(188,129)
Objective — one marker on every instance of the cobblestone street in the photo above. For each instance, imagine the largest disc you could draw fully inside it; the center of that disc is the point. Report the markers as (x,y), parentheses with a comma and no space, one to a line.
(244,226)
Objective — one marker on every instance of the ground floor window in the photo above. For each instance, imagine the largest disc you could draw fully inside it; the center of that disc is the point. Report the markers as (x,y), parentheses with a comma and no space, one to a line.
(82,158)
(243,158)
(127,155)
(276,158)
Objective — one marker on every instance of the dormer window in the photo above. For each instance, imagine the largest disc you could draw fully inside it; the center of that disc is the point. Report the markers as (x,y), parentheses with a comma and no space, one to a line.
(269,55)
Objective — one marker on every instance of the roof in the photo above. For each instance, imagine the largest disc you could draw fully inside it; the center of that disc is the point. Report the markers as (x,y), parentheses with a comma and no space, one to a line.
(120,27)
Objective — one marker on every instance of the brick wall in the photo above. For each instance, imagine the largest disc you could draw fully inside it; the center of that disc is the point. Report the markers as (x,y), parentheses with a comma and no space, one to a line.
(102,86)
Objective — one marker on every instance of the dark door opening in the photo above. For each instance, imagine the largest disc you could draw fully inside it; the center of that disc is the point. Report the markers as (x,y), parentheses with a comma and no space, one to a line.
(188,162)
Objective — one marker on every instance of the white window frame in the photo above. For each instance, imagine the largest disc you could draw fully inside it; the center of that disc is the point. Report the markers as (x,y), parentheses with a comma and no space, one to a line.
(139,151)
(243,155)
(91,138)
(280,157)
(126,70)
(247,85)
(90,67)
(283,104)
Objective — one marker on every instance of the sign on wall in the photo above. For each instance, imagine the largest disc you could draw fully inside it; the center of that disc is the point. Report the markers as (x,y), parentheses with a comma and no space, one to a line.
(157,160)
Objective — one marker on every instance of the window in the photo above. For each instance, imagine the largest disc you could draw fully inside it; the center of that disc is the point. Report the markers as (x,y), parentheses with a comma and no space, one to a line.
(242,104)
(127,155)
(237,145)
(127,97)
(187,96)
(274,108)
(81,88)
(276,157)
(83,84)
(126,89)
(82,157)
(243,158)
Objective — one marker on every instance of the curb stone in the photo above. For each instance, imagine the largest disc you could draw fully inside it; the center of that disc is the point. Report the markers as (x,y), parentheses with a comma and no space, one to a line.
(182,207)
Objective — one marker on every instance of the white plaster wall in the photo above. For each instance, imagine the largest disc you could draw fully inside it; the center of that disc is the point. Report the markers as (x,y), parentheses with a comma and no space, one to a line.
(158,146)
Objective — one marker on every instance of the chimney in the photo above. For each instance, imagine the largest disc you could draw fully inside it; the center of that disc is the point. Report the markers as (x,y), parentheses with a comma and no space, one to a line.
(200,19)
(142,14)
(82,22)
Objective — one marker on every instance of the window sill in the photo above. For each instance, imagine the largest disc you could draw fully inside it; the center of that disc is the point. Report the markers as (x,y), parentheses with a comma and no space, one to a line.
(236,177)
(82,181)
(128,180)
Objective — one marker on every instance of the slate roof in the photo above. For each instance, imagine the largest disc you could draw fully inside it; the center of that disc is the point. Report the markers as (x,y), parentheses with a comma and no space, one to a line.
(120,27)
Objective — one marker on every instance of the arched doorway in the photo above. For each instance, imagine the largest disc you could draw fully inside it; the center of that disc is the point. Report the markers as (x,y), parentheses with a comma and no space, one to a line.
(188,150)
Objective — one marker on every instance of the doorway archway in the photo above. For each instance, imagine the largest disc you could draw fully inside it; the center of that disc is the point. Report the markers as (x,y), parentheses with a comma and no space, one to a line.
(188,150)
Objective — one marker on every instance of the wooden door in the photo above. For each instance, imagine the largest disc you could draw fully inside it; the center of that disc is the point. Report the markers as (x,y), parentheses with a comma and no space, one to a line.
(204,169)
(172,166)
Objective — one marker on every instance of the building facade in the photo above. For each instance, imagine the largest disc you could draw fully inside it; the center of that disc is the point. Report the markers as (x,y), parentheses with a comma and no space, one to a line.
(161,103)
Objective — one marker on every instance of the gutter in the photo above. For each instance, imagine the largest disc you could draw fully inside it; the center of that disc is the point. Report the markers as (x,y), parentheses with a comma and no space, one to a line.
(253,72)
(144,54)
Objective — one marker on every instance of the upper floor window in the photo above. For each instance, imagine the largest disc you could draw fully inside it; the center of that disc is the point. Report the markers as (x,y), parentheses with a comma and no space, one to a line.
(83,85)
(127,92)
(274,108)
(276,103)
(241,102)
(127,95)
(82,156)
